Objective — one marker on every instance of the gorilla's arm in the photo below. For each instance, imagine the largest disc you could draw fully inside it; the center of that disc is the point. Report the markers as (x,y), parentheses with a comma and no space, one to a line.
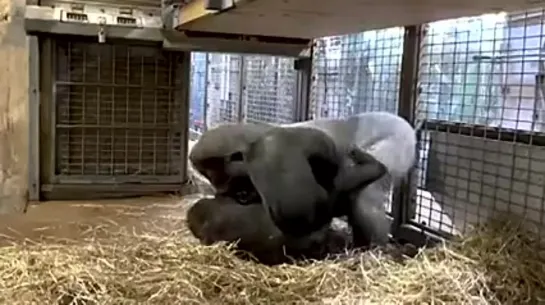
(367,216)
(365,171)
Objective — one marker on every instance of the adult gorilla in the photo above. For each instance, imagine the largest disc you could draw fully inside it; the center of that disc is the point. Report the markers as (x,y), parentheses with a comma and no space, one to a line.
(386,137)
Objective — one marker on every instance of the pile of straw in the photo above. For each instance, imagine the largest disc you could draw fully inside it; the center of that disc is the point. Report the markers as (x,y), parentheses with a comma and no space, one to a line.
(496,264)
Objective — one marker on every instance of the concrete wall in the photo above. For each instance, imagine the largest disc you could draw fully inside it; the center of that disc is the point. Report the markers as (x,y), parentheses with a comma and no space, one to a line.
(473,179)
(13,107)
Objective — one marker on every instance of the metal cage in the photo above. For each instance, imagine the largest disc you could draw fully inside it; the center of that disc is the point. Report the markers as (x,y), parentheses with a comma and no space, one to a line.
(473,88)
(115,114)
(356,73)
(480,116)
(224,89)
(231,88)
(269,89)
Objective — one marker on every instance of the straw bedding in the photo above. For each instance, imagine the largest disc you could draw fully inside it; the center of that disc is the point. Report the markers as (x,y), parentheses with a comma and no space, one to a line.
(496,264)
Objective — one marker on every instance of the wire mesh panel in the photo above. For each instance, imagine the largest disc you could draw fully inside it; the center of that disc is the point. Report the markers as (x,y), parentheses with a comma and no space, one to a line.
(223,89)
(197,96)
(481,84)
(269,89)
(356,73)
(119,112)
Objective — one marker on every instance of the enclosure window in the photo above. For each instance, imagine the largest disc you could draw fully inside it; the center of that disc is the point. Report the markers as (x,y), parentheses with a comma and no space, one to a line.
(481,148)
(118,110)
(356,73)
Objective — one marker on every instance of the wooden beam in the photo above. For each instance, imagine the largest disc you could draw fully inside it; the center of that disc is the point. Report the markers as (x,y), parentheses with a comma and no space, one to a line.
(194,10)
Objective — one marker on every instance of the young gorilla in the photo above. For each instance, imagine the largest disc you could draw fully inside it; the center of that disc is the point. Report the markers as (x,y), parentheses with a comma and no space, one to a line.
(297,170)
(223,219)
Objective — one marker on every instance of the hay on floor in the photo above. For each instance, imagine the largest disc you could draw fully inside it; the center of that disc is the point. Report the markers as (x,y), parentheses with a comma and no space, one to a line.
(496,264)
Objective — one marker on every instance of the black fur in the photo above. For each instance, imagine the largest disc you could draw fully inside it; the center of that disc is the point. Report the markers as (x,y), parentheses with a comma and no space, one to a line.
(223,219)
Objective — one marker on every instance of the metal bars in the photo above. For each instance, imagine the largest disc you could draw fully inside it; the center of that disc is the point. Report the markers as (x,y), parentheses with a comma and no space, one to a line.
(241,88)
(199,94)
(119,114)
(224,89)
(269,91)
(481,119)
(356,73)
(34,119)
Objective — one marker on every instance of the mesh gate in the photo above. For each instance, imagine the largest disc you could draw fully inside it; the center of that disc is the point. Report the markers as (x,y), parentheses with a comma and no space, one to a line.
(119,113)
(356,73)
(480,112)
(241,88)
(269,89)
(198,93)
(224,89)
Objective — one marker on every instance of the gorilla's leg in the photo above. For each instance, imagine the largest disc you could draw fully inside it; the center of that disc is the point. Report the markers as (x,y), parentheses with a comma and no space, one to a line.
(367,216)
(353,178)
(222,219)
(354,184)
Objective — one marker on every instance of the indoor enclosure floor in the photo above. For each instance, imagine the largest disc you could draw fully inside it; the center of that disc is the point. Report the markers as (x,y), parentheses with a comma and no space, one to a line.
(78,220)
(138,251)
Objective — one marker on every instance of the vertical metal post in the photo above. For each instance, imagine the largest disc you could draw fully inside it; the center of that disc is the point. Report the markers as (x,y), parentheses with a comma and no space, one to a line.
(53,111)
(184,71)
(407,104)
(242,89)
(303,66)
(45,122)
(34,119)
(205,93)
